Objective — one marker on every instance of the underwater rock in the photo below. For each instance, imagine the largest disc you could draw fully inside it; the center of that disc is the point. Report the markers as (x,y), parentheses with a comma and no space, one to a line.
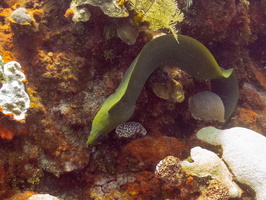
(80,14)
(130,129)
(110,8)
(171,90)
(206,106)
(127,33)
(20,16)
(169,170)
(244,152)
(207,163)
(13,98)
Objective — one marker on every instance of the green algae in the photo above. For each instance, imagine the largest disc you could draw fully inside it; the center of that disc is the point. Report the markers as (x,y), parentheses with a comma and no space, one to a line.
(188,54)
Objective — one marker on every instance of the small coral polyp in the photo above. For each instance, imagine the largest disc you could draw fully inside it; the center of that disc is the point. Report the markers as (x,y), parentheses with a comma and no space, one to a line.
(14,100)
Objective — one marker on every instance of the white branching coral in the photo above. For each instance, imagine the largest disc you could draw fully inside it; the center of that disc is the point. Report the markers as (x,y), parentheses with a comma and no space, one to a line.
(14,100)
(160,14)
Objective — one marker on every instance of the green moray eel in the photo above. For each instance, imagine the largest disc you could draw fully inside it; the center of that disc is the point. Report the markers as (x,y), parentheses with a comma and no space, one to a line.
(188,54)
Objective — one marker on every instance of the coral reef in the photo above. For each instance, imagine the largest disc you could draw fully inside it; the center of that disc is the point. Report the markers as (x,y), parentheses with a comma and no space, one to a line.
(74,54)
(203,176)
(243,152)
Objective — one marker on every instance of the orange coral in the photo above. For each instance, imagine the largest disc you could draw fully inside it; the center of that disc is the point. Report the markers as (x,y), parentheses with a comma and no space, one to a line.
(247,116)
(69,13)
(37,15)
(35,100)
(22,196)
(120,2)
(259,76)
(9,129)
(8,56)
(5,36)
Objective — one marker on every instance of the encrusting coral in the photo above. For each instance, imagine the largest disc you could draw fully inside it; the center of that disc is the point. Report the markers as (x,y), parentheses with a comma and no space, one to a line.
(206,163)
(204,176)
(244,152)
(13,98)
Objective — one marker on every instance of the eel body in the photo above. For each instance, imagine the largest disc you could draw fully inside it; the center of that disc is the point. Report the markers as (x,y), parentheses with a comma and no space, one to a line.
(188,54)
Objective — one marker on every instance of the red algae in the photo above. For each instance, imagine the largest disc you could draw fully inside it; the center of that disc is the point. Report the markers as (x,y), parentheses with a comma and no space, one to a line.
(145,153)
